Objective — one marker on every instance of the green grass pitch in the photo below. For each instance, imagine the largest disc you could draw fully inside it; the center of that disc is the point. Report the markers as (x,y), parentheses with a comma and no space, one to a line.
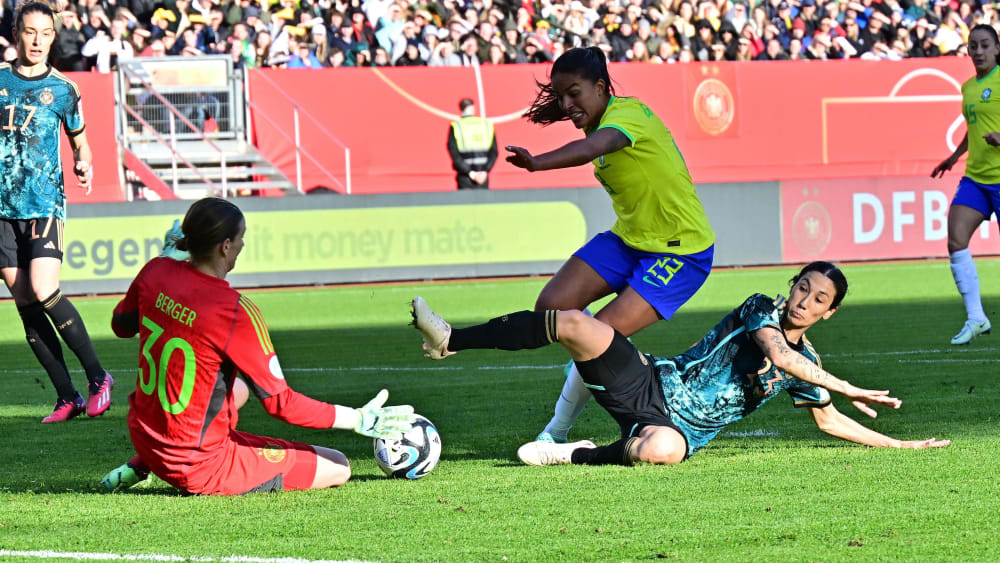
(771,488)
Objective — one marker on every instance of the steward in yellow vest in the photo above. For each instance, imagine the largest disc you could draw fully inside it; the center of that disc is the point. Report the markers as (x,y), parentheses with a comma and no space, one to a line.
(473,148)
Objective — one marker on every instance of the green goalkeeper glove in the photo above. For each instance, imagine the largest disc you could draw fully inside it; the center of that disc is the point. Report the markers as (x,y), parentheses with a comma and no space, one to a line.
(375,421)
(170,242)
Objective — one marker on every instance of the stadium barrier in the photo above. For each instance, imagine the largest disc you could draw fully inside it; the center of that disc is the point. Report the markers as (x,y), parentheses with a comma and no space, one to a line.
(321,239)
(334,239)
(734,122)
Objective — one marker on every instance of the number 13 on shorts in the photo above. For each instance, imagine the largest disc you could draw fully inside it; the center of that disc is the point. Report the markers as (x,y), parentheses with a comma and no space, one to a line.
(662,271)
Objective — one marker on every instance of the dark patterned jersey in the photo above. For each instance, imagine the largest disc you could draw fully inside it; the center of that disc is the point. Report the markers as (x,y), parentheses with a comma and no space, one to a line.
(32,113)
(195,334)
(725,375)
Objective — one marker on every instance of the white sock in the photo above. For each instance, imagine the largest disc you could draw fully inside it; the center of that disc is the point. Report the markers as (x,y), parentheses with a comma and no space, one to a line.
(963,269)
(571,402)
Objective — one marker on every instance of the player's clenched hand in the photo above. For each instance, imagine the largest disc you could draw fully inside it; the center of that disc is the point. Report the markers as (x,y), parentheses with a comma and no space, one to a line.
(521,158)
(388,423)
(924,444)
(84,174)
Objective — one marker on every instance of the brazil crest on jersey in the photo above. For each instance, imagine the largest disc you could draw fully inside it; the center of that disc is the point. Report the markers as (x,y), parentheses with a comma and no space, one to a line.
(981,108)
(649,184)
(32,111)
(725,375)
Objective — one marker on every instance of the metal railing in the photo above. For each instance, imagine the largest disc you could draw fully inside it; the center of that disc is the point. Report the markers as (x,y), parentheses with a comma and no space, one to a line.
(296,141)
(150,131)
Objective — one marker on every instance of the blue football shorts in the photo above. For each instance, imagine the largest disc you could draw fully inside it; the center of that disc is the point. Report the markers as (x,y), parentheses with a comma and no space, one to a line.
(984,198)
(665,281)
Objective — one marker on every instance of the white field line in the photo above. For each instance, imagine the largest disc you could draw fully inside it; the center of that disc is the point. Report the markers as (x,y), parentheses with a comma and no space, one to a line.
(90,556)
(862,357)
(751,433)
(926,352)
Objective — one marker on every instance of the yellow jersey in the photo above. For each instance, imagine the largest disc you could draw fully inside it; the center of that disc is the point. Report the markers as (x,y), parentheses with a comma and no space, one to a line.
(649,184)
(982,115)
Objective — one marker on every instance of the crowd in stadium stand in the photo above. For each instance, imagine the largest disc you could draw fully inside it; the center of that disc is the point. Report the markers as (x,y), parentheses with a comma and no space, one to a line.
(96,34)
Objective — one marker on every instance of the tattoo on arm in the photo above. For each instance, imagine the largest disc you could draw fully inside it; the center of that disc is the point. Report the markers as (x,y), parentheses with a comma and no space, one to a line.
(800,364)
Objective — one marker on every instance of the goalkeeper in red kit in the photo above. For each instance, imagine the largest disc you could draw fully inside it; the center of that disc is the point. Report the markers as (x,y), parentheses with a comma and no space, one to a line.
(196,333)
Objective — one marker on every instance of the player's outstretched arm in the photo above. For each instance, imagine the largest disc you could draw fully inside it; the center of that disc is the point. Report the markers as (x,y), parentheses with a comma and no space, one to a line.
(576,153)
(772,342)
(835,423)
(375,420)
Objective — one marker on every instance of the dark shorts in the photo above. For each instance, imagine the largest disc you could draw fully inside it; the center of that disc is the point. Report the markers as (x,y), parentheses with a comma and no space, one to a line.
(984,198)
(22,240)
(665,281)
(624,382)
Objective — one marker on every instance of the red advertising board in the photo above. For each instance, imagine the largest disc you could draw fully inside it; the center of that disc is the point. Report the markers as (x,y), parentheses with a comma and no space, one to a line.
(98,97)
(871,219)
(734,122)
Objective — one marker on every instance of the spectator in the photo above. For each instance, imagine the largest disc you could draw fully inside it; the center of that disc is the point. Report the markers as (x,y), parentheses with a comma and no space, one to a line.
(818,49)
(109,50)
(744,52)
(156,48)
(345,41)
(773,51)
(807,15)
(533,51)
(644,32)
(262,49)
(923,40)
(469,50)
(363,31)
(497,54)
(400,42)
(444,54)
(321,47)
(702,41)
(241,39)
(381,57)
(67,50)
(621,41)
(665,53)
(873,32)
(795,50)
(910,28)
(389,26)
(336,58)
(411,55)
(852,36)
(304,57)
(737,14)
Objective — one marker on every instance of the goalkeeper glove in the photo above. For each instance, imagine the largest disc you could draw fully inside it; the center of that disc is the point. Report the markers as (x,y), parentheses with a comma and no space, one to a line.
(375,421)
(170,242)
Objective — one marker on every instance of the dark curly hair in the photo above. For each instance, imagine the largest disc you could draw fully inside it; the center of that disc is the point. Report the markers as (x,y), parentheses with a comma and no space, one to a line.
(588,63)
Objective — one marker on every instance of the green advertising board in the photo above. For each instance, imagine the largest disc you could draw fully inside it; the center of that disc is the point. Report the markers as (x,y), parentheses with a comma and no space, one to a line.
(344,239)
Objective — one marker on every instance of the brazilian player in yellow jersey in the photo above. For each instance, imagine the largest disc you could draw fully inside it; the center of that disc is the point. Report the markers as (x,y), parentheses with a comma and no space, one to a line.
(978,194)
(660,250)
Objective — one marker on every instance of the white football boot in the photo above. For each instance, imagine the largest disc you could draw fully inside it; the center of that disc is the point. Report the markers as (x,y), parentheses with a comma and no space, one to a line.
(548,453)
(970,330)
(432,327)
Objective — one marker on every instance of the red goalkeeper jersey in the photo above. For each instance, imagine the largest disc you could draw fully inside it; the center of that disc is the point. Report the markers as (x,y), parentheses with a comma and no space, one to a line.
(195,334)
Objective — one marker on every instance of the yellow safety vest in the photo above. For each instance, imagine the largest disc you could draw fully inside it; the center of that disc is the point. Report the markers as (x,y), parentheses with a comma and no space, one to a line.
(473,134)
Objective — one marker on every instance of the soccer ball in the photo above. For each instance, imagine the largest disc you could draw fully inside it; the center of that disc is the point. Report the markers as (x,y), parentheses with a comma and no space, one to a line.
(412,456)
